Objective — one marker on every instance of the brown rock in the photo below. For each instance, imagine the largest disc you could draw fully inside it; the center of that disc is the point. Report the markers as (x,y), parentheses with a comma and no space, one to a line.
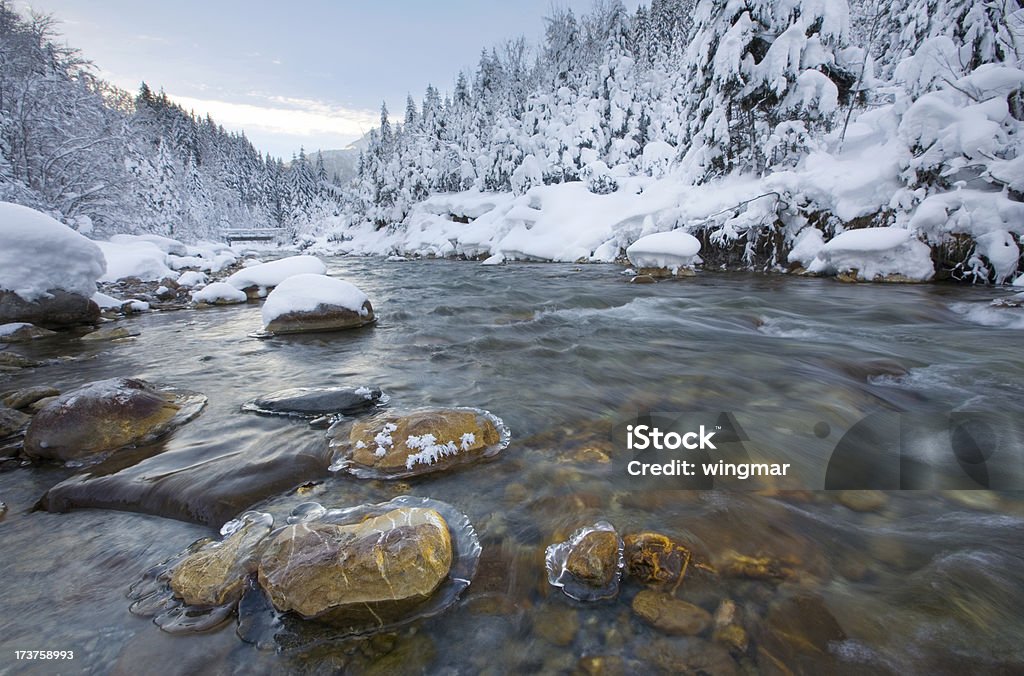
(322,318)
(669,614)
(38,406)
(400,556)
(557,625)
(404,439)
(110,333)
(734,564)
(653,558)
(689,656)
(101,416)
(643,279)
(28,396)
(864,500)
(795,636)
(25,333)
(595,558)
(216,574)
(60,309)
(600,665)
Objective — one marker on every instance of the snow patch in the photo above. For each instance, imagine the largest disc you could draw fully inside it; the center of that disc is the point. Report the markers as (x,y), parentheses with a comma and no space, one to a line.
(675,249)
(267,275)
(876,253)
(219,293)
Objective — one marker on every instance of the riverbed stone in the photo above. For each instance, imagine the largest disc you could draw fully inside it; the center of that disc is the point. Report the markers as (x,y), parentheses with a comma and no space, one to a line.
(98,417)
(397,558)
(13,360)
(110,333)
(600,665)
(863,500)
(61,309)
(325,317)
(758,567)
(691,656)
(595,558)
(669,614)
(216,574)
(427,439)
(25,397)
(22,332)
(557,624)
(12,421)
(795,637)
(654,558)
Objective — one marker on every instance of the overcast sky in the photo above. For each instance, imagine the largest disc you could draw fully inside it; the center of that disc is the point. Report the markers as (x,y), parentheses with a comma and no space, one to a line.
(308,73)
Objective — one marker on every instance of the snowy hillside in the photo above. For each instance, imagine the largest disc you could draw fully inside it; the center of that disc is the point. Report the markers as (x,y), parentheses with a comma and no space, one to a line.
(743,123)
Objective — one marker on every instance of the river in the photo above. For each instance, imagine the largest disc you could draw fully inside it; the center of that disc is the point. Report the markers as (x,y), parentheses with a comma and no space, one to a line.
(931,582)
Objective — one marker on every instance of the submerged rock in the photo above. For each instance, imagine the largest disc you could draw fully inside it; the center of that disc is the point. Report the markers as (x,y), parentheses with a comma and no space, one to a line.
(110,333)
(16,361)
(22,332)
(393,445)
(588,565)
(398,557)
(107,415)
(313,402)
(795,637)
(669,614)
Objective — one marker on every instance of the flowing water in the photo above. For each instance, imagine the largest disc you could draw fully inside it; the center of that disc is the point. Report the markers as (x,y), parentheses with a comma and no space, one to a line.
(930,582)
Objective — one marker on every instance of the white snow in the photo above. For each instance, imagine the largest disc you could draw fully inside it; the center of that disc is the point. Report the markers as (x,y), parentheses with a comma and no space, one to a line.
(191,278)
(1019,281)
(806,246)
(39,254)
(106,302)
(305,292)
(876,253)
(130,256)
(267,275)
(165,244)
(673,250)
(219,292)
(13,327)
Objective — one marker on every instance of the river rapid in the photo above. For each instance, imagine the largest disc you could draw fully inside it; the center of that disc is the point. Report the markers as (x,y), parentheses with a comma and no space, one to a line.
(924,582)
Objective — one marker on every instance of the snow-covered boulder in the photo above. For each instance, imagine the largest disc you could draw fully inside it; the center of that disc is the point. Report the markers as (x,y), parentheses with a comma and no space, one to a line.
(806,246)
(22,332)
(876,254)
(675,251)
(165,244)
(129,256)
(311,302)
(48,271)
(191,278)
(256,280)
(219,293)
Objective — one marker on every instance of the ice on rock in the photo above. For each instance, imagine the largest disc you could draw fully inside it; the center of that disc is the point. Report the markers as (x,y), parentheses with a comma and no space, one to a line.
(38,254)
(673,250)
(876,253)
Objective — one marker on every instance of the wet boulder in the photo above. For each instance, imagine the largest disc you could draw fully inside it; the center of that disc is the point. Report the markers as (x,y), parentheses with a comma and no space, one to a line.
(216,573)
(107,415)
(313,402)
(60,309)
(316,568)
(312,303)
(588,565)
(12,422)
(392,445)
(653,558)
(27,396)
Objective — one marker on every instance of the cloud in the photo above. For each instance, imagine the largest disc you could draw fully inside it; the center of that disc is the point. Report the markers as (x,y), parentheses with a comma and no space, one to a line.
(281,115)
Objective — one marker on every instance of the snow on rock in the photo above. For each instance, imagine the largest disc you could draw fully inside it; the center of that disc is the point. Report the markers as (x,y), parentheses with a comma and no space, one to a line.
(313,302)
(107,302)
(267,275)
(806,246)
(876,254)
(219,293)
(191,279)
(673,250)
(1001,251)
(165,244)
(39,255)
(130,256)
(1019,281)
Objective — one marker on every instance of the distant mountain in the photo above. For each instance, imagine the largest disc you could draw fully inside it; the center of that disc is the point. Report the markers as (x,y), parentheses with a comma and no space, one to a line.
(342,162)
